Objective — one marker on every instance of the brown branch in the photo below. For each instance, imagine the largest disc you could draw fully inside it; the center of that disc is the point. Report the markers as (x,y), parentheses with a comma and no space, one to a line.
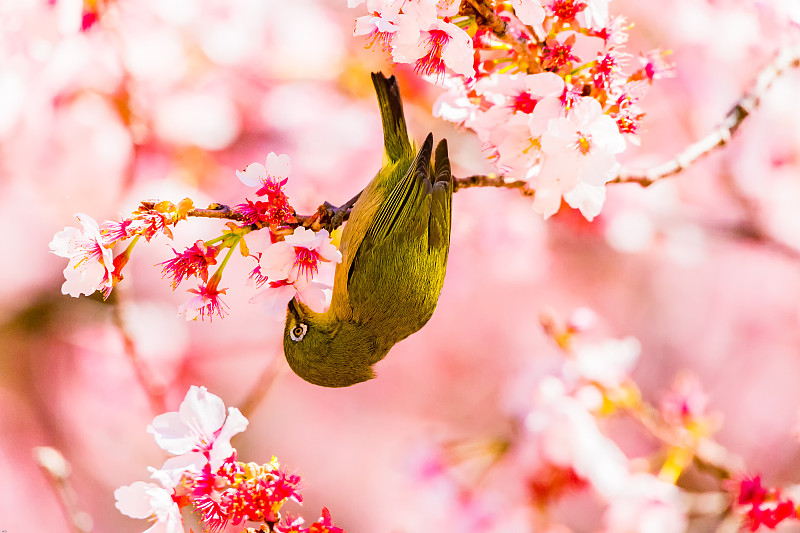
(486,16)
(787,57)
(216,211)
(490,19)
(492,180)
(330,217)
(262,386)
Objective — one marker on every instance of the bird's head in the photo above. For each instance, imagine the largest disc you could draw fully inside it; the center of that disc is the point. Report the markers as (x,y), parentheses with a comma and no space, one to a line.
(325,351)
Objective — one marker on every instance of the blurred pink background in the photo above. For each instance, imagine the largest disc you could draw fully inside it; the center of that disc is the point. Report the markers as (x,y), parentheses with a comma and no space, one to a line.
(166,99)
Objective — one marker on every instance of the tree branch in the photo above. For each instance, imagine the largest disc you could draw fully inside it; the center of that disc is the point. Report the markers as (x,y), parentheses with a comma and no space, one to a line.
(787,57)
(330,217)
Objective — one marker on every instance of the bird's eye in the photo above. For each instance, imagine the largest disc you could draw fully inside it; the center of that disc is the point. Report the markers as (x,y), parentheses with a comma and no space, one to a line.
(298,332)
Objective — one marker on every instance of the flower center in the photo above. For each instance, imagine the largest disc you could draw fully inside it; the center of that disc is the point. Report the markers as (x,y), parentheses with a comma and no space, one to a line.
(306,261)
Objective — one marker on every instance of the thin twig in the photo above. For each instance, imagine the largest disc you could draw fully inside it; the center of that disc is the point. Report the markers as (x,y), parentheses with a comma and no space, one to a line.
(57,471)
(216,211)
(492,180)
(153,390)
(330,217)
(262,386)
(787,57)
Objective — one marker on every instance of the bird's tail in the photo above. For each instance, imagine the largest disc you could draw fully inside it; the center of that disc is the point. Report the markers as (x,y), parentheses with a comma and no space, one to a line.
(395,135)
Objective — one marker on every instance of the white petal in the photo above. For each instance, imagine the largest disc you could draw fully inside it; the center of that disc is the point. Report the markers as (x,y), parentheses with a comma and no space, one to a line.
(278,166)
(173,469)
(546,109)
(133,500)
(253,175)
(588,198)
(172,434)
(458,52)
(222,449)
(275,300)
(546,202)
(86,278)
(202,411)
(313,295)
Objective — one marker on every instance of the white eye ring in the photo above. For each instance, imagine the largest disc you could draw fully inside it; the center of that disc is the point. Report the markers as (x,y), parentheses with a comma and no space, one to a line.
(298,332)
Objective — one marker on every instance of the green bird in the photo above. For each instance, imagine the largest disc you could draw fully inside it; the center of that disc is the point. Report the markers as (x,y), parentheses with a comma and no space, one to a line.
(394,256)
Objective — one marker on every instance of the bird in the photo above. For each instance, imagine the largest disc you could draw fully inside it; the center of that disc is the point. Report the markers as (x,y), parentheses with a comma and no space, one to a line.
(394,250)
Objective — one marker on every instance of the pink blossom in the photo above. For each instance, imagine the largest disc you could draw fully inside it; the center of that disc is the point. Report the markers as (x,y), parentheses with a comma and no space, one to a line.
(148,500)
(200,430)
(298,255)
(90,262)
(377,29)
(275,170)
(579,160)
(194,261)
(443,45)
(207,302)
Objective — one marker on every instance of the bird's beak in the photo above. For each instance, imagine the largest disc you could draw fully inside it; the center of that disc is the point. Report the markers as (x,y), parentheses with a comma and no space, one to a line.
(294,308)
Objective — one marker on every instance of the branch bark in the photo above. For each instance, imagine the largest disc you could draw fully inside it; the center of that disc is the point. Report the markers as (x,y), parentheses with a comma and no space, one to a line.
(330,217)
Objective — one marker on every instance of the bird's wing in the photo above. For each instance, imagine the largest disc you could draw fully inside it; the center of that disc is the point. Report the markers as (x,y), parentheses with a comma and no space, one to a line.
(441,200)
(403,200)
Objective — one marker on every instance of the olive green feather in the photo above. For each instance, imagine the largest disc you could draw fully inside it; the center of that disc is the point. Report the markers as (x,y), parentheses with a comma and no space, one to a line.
(394,255)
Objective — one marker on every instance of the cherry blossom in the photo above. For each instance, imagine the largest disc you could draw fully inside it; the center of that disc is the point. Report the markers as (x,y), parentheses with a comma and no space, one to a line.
(275,170)
(206,476)
(579,160)
(148,500)
(443,45)
(207,302)
(200,429)
(193,261)
(298,255)
(90,264)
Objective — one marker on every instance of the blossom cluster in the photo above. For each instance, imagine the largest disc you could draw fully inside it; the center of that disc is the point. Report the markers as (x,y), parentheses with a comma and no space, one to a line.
(562,446)
(205,475)
(288,265)
(92,265)
(541,82)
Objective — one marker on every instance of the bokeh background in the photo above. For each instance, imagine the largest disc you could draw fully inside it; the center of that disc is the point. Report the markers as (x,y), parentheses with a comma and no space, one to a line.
(166,99)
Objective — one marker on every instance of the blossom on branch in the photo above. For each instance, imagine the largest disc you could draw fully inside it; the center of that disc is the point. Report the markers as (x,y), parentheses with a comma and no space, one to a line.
(200,428)
(274,210)
(291,266)
(207,302)
(90,264)
(193,261)
(477,50)
(207,477)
